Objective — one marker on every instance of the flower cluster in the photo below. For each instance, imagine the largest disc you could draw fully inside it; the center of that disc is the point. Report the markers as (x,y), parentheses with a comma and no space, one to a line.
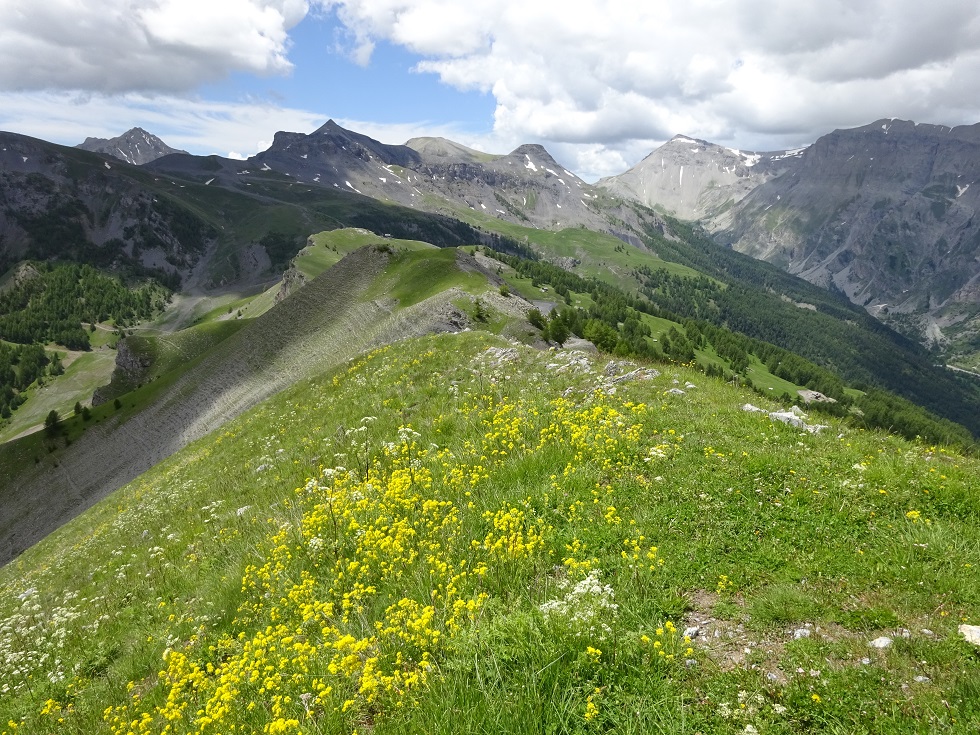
(586,608)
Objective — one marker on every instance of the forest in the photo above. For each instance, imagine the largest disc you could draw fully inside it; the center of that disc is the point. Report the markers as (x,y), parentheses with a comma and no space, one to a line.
(51,302)
(61,303)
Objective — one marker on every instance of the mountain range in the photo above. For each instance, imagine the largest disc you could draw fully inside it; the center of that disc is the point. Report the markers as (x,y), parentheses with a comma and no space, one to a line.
(206,226)
(356,437)
(883,213)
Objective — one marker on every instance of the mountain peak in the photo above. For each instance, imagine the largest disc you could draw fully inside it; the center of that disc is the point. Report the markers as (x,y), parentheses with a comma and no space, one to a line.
(135,146)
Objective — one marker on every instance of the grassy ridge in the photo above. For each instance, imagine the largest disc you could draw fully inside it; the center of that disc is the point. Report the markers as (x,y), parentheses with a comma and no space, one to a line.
(511,537)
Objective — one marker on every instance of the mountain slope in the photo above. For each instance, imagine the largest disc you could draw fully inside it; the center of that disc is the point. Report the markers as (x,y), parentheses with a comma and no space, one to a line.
(697,180)
(526,186)
(371,297)
(65,203)
(135,146)
(885,213)
(531,541)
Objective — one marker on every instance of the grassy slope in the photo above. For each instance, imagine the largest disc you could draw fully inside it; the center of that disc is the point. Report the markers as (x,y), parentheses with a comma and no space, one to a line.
(85,373)
(227,559)
(334,316)
(604,256)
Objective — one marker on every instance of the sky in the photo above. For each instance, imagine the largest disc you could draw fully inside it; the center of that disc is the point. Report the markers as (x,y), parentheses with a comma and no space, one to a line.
(600,84)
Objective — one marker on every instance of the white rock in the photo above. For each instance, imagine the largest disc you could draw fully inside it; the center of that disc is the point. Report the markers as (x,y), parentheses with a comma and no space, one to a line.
(971,633)
(882,642)
(692,632)
(865,661)
(926,631)
(801,633)
(676,392)
(923,679)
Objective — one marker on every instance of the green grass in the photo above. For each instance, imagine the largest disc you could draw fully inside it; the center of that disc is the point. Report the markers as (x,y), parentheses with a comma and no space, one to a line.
(603,256)
(326,248)
(80,379)
(400,539)
(763,380)
(416,275)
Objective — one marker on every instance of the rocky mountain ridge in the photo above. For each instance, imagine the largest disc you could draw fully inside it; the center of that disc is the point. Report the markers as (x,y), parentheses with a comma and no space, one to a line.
(693,179)
(62,202)
(135,146)
(885,213)
(526,186)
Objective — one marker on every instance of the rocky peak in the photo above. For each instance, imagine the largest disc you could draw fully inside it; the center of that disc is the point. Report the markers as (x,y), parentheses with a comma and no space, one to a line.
(135,146)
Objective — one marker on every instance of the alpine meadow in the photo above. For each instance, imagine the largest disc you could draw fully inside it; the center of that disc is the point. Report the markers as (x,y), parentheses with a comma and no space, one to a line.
(349,437)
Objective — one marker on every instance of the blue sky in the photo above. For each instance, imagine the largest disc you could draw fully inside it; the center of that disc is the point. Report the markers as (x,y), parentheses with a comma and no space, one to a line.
(325,79)
(600,83)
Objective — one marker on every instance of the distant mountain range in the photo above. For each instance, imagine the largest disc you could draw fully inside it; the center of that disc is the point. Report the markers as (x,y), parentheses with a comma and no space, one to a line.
(526,186)
(694,179)
(135,146)
(884,213)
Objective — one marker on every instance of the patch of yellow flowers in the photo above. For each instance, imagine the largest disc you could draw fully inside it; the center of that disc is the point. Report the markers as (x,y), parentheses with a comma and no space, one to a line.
(365,577)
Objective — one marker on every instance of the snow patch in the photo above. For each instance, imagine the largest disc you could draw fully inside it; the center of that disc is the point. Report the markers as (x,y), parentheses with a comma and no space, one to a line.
(483,205)
(208,182)
(792,153)
(266,167)
(961,190)
(553,173)
(382,179)
(680,181)
(304,155)
(25,158)
(751,159)
(530,163)
(106,164)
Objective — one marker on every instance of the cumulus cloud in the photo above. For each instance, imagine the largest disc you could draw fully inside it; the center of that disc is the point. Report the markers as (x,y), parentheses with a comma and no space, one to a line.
(199,126)
(118,46)
(599,82)
(231,129)
(754,73)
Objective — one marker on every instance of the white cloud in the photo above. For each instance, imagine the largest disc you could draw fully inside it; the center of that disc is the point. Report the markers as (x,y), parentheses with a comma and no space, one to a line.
(599,83)
(198,126)
(597,78)
(118,46)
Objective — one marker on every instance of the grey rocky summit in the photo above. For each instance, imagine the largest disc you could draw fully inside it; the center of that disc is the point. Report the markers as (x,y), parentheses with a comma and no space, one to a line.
(135,146)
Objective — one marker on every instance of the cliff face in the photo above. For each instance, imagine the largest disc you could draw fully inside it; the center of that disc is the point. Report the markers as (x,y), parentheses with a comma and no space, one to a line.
(695,179)
(886,213)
